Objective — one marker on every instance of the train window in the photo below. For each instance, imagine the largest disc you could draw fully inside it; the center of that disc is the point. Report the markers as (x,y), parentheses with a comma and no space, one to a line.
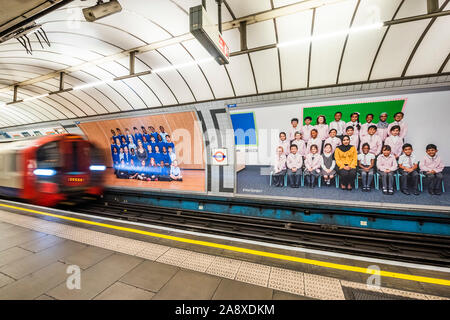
(12,163)
(48,156)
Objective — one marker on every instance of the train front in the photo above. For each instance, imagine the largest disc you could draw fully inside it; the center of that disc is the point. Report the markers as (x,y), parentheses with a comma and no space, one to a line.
(63,168)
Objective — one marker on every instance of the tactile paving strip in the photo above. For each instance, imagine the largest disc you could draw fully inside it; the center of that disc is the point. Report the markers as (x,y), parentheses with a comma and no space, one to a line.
(280,279)
(198,261)
(174,256)
(253,273)
(224,267)
(359,294)
(287,280)
(320,287)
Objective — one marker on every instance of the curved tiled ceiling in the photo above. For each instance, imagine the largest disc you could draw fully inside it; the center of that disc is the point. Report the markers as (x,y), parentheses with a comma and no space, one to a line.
(414,48)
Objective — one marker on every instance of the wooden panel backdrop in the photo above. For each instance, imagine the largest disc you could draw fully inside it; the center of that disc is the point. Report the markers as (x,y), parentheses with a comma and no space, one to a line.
(99,132)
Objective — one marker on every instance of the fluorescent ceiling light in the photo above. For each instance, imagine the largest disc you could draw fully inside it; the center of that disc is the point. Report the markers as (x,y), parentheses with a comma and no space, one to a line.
(331,35)
(183,65)
(93,84)
(35,97)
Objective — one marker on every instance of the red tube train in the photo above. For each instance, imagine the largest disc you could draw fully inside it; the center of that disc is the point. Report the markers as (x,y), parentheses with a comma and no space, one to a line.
(51,169)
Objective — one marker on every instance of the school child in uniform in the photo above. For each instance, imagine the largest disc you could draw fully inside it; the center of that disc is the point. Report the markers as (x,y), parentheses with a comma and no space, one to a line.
(164,172)
(398,121)
(314,140)
(395,141)
(279,168)
(150,154)
(373,140)
(114,135)
(294,163)
(354,139)
(431,166)
(408,165)
(312,166)
(162,133)
(354,123)
(165,157)
(132,170)
(157,154)
(153,132)
(172,154)
(333,140)
(137,135)
(175,172)
(122,170)
(133,156)
(300,143)
(160,142)
(142,171)
(338,124)
(321,127)
(169,143)
(153,142)
(306,129)
(121,155)
(366,163)
(119,134)
(128,135)
(145,143)
(153,171)
(131,144)
(145,134)
(327,163)
(126,155)
(293,129)
(365,126)
(387,164)
(284,143)
(123,141)
(113,144)
(115,159)
(118,143)
(382,126)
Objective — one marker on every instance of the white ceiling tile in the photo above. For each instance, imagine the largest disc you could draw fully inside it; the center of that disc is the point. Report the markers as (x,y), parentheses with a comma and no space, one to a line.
(241,75)
(267,72)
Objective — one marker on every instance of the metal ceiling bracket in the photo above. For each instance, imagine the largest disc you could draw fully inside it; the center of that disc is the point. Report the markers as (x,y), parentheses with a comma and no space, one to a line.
(243,31)
(15,93)
(432,6)
(132,62)
(61,80)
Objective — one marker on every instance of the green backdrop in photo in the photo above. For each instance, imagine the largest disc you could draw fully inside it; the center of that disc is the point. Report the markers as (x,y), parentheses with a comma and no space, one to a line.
(376,108)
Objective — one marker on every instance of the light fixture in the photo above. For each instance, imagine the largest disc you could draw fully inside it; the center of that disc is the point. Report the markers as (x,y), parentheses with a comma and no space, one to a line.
(36,97)
(44,172)
(101,10)
(331,35)
(97,168)
(183,65)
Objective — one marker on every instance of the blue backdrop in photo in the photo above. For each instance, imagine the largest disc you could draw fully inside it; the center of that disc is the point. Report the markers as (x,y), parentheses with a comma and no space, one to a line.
(244,129)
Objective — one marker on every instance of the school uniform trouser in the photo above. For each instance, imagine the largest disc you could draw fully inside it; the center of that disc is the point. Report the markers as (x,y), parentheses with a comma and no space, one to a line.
(414,175)
(366,178)
(294,177)
(347,177)
(278,178)
(434,180)
(387,179)
(310,177)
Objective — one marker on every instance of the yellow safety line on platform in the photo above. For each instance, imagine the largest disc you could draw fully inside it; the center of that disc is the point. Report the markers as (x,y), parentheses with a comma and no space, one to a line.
(244,250)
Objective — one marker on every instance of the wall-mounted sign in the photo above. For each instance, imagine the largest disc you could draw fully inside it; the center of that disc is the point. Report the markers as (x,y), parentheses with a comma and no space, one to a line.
(219,157)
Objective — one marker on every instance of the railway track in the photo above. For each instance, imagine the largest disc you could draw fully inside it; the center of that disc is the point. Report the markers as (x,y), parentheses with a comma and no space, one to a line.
(433,250)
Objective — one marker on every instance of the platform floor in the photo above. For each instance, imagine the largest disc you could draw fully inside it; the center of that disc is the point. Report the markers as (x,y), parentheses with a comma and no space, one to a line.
(254,180)
(35,252)
(193,180)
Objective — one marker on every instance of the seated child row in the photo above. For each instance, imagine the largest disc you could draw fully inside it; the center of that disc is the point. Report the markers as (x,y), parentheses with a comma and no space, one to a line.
(395,141)
(386,165)
(149,172)
(359,131)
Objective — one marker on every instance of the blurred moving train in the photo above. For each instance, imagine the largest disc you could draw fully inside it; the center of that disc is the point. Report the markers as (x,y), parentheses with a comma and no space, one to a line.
(51,169)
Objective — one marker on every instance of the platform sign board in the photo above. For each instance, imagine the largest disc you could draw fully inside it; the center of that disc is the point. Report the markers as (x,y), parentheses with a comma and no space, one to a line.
(219,157)
(207,33)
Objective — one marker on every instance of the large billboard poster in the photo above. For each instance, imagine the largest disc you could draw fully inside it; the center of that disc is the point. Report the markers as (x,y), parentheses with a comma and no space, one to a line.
(390,150)
(162,151)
